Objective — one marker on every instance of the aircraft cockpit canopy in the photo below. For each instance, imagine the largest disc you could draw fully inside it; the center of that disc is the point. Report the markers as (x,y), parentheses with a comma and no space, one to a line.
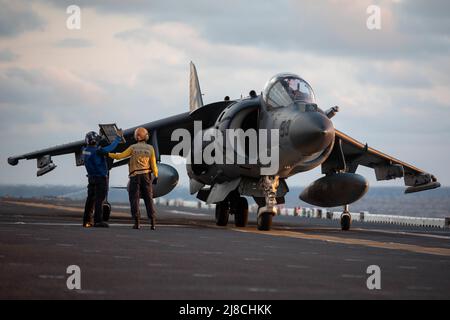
(285,89)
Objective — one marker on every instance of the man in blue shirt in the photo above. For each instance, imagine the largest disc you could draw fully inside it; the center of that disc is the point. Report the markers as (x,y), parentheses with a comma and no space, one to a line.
(97,170)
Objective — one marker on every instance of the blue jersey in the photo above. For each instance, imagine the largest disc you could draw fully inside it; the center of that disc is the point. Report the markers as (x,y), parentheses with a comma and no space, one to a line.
(95,159)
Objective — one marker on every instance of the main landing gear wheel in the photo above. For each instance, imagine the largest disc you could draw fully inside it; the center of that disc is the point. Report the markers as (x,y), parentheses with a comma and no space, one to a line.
(265,220)
(241,214)
(222,213)
(106,211)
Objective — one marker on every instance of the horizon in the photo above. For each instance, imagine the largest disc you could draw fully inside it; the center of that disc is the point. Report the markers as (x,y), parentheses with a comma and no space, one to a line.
(380,200)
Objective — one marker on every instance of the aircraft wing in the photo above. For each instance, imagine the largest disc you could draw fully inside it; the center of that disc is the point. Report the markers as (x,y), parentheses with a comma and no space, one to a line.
(386,167)
(53,151)
(160,132)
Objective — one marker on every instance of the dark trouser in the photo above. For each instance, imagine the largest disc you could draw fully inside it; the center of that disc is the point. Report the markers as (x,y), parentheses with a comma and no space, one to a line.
(141,185)
(97,189)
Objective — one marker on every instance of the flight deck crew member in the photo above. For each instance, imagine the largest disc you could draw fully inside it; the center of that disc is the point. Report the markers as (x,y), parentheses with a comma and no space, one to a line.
(97,170)
(142,164)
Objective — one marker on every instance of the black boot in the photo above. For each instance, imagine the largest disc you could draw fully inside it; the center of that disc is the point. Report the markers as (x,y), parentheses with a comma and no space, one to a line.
(137,224)
(152,224)
(101,225)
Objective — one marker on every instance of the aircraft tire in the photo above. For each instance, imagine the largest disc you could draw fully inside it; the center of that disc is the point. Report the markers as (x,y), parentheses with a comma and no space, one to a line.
(265,221)
(346,222)
(222,213)
(106,211)
(241,214)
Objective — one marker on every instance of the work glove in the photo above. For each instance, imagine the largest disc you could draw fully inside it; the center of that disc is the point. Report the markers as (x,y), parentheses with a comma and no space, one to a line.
(155,180)
(119,133)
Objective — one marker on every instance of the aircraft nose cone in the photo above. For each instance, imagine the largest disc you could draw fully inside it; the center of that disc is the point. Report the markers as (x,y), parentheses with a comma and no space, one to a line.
(311,132)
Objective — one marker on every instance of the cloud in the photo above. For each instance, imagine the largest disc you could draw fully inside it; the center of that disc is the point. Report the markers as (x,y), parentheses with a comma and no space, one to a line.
(328,28)
(40,103)
(7,55)
(129,64)
(17,17)
(398,74)
(73,43)
(139,35)
(47,85)
(424,17)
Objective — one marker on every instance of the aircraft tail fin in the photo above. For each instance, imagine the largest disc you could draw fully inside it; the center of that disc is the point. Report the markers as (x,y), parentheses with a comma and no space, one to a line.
(195,94)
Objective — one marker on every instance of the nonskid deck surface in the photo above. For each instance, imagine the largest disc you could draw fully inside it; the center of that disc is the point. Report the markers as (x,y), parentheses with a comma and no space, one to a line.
(188,257)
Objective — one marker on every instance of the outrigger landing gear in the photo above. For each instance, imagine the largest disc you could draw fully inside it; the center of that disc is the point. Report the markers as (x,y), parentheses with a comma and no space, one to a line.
(346,219)
(265,214)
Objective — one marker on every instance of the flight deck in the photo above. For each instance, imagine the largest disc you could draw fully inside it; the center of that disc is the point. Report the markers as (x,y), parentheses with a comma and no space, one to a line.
(189,257)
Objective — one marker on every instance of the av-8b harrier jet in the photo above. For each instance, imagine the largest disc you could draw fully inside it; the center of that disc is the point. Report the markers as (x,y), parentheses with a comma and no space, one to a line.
(304,138)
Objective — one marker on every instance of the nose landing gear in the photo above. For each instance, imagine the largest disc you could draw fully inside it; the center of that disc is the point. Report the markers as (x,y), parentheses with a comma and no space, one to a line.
(264,219)
(265,214)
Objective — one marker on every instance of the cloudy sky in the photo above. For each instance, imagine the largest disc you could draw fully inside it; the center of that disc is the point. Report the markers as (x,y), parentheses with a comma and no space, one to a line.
(129,64)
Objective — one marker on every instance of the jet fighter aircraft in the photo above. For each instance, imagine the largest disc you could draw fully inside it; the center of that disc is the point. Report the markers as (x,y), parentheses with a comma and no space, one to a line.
(306,139)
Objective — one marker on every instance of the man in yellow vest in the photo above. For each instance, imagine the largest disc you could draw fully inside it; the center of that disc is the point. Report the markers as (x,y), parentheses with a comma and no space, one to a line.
(142,164)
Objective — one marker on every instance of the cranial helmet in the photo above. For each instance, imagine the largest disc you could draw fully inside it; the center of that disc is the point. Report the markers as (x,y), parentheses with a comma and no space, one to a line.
(141,134)
(92,138)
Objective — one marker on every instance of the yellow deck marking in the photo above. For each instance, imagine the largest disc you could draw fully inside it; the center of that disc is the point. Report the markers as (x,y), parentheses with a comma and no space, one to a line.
(350,241)
(44,205)
(58,207)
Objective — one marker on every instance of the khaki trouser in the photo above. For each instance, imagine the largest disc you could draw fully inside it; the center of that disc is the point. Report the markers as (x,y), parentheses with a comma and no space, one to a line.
(141,185)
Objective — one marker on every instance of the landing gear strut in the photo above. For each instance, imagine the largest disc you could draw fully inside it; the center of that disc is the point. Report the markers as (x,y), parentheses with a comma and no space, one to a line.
(346,219)
(265,214)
